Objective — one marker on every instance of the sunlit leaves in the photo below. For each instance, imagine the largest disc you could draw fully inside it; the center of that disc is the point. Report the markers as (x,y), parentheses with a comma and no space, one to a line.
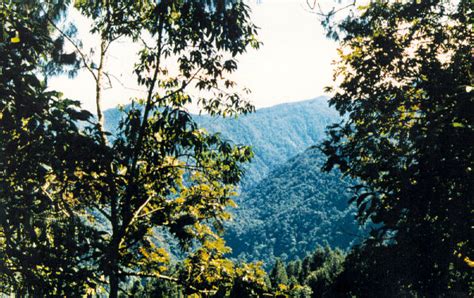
(165,175)
(82,213)
(16,38)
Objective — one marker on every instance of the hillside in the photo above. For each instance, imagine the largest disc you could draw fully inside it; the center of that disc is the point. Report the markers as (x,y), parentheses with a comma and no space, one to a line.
(276,133)
(298,207)
(287,205)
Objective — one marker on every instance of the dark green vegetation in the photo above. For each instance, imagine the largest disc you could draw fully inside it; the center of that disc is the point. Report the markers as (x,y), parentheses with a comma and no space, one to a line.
(42,245)
(406,88)
(316,275)
(287,205)
(293,210)
(80,211)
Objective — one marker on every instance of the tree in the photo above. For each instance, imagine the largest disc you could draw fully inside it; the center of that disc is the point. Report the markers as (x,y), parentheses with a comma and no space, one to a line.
(278,275)
(405,74)
(79,205)
(294,268)
(326,265)
(318,275)
(43,245)
(161,174)
(249,281)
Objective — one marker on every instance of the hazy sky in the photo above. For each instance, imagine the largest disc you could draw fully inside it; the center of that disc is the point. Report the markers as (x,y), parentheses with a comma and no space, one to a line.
(293,64)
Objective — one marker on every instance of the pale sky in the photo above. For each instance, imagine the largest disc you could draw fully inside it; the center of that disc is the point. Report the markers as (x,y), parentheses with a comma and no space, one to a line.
(293,64)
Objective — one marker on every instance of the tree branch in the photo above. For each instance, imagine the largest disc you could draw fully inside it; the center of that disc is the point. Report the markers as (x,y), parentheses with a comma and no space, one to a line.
(76,47)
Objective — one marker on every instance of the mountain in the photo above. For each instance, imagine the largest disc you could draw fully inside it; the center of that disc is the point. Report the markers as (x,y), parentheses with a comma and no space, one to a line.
(287,206)
(276,133)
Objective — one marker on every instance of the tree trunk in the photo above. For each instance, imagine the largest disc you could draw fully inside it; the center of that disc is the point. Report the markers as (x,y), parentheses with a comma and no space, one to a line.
(114,268)
(114,285)
(98,91)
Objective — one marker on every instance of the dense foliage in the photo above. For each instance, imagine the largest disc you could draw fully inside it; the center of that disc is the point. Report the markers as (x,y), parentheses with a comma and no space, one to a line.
(405,74)
(44,246)
(314,276)
(80,210)
(293,210)
(90,208)
(287,205)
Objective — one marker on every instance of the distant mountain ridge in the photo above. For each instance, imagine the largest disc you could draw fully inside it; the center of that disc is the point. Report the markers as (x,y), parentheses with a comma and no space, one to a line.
(276,133)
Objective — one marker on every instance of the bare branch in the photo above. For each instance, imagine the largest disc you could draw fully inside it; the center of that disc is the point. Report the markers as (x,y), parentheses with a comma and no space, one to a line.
(320,11)
(71,41)
(150,212)
(110,75)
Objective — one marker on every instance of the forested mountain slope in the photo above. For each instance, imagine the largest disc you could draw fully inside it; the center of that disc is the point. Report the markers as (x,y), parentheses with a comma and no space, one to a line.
(287,206)
(276,133)
(296,208)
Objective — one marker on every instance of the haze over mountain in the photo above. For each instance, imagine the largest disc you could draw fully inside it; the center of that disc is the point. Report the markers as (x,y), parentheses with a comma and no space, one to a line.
(276,133)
